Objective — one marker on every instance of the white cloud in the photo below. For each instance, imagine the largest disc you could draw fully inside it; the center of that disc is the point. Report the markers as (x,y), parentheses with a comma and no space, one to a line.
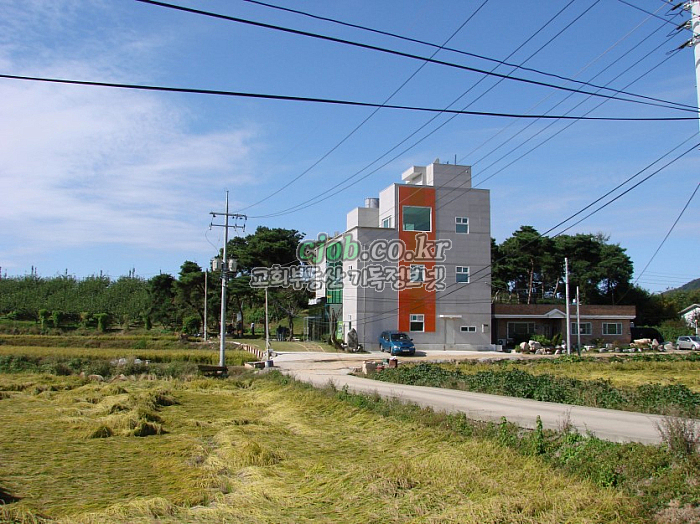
(81,166)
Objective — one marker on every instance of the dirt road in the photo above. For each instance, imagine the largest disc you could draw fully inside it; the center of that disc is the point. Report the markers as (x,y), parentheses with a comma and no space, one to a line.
(619,426)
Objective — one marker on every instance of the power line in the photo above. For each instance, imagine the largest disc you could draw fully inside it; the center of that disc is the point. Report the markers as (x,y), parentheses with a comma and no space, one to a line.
(465,53)
(665,20)
(392,52)
(320,197)
(629,179)
(288,98)
(669,231)
(560,102)
(548,126)
(351,133)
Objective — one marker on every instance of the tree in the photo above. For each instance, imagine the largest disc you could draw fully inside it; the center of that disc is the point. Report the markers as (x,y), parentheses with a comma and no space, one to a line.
(290,302)
(615,272)
(264,248)
(161,307)
(532,267)
(523,257)
(189,291)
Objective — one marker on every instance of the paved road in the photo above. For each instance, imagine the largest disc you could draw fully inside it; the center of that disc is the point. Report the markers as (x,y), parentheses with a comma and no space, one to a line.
(620,426)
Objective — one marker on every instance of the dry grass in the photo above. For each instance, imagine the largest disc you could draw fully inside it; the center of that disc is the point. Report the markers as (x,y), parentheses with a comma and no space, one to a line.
(203,355)
(262,452)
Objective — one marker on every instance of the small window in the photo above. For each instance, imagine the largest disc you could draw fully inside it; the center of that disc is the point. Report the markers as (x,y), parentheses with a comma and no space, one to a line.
(468,329)
(462,275)
(586,329)
(416,218)
(386,223)
(461,225)
(610,328)
(417,273)
(416,323)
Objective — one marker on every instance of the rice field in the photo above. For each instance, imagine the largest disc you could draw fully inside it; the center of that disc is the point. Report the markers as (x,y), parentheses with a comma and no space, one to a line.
(257,450)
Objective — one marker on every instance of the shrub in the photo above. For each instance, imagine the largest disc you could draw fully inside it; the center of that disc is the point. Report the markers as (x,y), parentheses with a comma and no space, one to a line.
(542,340)
(102,321)
(681,435)
(191,324)
(57,318)
(44,316)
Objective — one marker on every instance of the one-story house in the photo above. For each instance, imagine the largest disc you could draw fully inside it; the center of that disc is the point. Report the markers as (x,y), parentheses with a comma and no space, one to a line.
(514,323)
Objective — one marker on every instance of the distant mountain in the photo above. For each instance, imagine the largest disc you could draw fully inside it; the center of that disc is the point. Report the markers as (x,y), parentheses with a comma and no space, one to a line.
(690,286)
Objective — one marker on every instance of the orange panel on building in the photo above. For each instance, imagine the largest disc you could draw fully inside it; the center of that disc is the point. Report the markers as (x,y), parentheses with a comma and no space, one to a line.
(416,299)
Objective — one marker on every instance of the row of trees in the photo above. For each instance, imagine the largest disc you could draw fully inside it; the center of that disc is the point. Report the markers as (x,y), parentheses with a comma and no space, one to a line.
(175,302)
(526,268)
(529,267)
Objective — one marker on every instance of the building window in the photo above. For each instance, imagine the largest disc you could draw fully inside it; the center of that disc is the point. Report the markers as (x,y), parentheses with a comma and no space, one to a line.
(416,323)
(468,329)
(416,218)
(520,328)
(461,225)
(386,223)
(462,273)
(612,328)
(586,329)
(417,273)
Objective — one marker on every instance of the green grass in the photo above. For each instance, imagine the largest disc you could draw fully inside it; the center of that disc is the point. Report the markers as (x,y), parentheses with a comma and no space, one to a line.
(518,381)
(620,371)
(265,449)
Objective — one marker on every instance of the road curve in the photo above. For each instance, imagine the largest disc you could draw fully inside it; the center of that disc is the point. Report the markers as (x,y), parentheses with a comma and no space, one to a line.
(608,424)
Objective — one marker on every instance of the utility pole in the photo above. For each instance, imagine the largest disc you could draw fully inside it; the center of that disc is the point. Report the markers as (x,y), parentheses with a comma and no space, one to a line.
(694,25)
(578,325)
(206,293)
(267,328)
(568,312)
(695,42)
(227,266)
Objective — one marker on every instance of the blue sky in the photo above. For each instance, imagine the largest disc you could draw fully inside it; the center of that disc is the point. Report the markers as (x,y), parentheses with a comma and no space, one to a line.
(105,180)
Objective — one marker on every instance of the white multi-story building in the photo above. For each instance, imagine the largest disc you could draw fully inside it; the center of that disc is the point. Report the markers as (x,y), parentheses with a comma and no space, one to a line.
(437,287)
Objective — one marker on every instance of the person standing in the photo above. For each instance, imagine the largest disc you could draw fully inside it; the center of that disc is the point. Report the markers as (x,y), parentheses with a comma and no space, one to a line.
(252,328)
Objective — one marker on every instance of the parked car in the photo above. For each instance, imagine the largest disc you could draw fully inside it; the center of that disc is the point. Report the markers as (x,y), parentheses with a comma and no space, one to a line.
(396,343)
(688,342)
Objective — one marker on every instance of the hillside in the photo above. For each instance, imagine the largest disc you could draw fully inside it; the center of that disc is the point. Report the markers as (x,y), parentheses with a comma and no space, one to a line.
(693,285)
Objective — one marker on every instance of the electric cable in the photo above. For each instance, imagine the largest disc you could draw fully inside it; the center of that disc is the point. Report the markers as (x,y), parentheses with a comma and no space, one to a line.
(666,20)
(144,87)
(548,126)
(673,226)
(459,51)
(315,199)
(590,63)
(393,52)
(376,110)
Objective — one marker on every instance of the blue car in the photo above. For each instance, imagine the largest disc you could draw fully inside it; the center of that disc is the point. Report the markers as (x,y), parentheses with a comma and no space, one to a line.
(396,343)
